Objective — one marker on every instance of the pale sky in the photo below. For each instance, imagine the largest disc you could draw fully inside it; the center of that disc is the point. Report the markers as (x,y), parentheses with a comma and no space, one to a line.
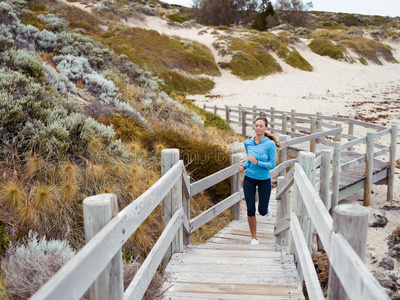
(366,7)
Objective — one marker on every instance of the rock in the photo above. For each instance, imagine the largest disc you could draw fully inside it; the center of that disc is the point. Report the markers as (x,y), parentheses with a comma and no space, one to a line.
(378,32)
(387,283)
(301,31)
(380,221)
(398,163)
(396,295)
(373,259)
(387,263)
(283,27)
(394,252)
(354,32)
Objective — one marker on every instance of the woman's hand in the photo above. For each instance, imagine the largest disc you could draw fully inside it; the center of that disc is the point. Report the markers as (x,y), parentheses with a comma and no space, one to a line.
(241,168)
(252,159)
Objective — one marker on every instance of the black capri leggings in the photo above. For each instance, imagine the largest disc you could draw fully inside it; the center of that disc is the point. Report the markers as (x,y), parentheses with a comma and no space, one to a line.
(264,193)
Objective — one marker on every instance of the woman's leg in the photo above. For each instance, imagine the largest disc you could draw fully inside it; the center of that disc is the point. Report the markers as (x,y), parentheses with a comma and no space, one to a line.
(264,193)
(249,189)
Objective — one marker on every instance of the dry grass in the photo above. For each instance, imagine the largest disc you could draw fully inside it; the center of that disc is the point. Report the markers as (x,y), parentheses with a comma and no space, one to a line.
(12,194)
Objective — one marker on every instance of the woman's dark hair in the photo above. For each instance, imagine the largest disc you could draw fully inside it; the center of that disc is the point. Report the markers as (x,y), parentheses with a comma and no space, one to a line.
(268,135)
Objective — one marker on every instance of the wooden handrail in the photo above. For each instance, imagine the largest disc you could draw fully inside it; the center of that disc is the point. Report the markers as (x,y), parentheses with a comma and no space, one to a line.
(214,211)
(74,278)
(213,179)
(144,275)
(354,276)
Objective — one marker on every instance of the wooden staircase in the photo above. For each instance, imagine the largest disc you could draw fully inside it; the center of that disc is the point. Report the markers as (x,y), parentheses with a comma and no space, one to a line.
(228,267)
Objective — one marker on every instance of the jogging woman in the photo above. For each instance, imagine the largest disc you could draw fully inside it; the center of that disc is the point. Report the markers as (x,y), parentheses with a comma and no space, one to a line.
(261,157)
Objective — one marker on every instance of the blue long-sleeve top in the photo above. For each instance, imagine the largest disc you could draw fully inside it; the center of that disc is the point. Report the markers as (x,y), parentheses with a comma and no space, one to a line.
(265,154)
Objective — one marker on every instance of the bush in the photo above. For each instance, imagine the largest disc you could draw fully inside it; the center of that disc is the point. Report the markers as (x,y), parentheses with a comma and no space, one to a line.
(177,18)
(28,267)
(252,61)
(58,80)
(294,59)
(325,47)
(28,63)
(201,157)
(53,23)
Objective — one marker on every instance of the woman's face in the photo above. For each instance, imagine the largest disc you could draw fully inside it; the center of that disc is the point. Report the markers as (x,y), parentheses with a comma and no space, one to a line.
(260,127)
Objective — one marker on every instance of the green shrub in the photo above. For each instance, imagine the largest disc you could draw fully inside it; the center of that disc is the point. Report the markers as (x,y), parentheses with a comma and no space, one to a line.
(201,158)
(294,59)
(5,238)
(26,62)
(325,47)
(178,18)
(161,55)
(363,61)
(210,119)
(251,60)
(370,49)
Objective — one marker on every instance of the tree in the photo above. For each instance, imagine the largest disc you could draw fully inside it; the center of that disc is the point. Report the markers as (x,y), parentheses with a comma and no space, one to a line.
(224,12)
(293,11)
(267,10)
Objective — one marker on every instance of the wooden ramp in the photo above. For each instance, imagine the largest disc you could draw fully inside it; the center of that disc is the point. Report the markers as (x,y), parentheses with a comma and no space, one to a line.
(228,267)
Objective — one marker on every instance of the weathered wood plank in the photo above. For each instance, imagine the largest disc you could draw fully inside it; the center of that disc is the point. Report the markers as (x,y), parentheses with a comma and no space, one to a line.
(313,287)
(274,259)
(242,289)
(214,211)
(144,275)
(316,208)
(227,269)
(285,184)
(213,179)
(192,296)
(241,278)
(282,225)
(74,278)
(356,279)
(307,138)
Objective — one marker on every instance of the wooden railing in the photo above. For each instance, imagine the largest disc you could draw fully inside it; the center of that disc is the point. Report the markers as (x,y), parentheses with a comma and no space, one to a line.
(287,125)
(97,267)
(343,238)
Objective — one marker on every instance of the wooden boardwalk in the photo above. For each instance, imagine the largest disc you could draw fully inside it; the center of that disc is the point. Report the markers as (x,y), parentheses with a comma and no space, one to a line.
(228,267)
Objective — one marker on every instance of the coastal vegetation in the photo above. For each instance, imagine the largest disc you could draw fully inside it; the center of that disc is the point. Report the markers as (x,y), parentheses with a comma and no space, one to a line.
(87,104)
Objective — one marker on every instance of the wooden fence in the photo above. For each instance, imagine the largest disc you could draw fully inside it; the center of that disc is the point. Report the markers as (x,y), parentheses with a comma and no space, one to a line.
(287,124)
(97,267)
(344,238)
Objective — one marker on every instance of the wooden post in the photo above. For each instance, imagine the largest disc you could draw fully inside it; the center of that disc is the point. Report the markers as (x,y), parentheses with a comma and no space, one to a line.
(272,118)
(215,109)
(293,123)
(282,154)
(186,209)
(235,187)
(244,122)
(283,210)
(351,130)
(240,112)
(319,114)
(204,106)
(338,136)
(325,176)
(336,174)
(352,222)
(307,161)
(227,111)
(392,162)
(97,212)
(171,202)
(284,123)
(369,168)
(255,115)
(313,129)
